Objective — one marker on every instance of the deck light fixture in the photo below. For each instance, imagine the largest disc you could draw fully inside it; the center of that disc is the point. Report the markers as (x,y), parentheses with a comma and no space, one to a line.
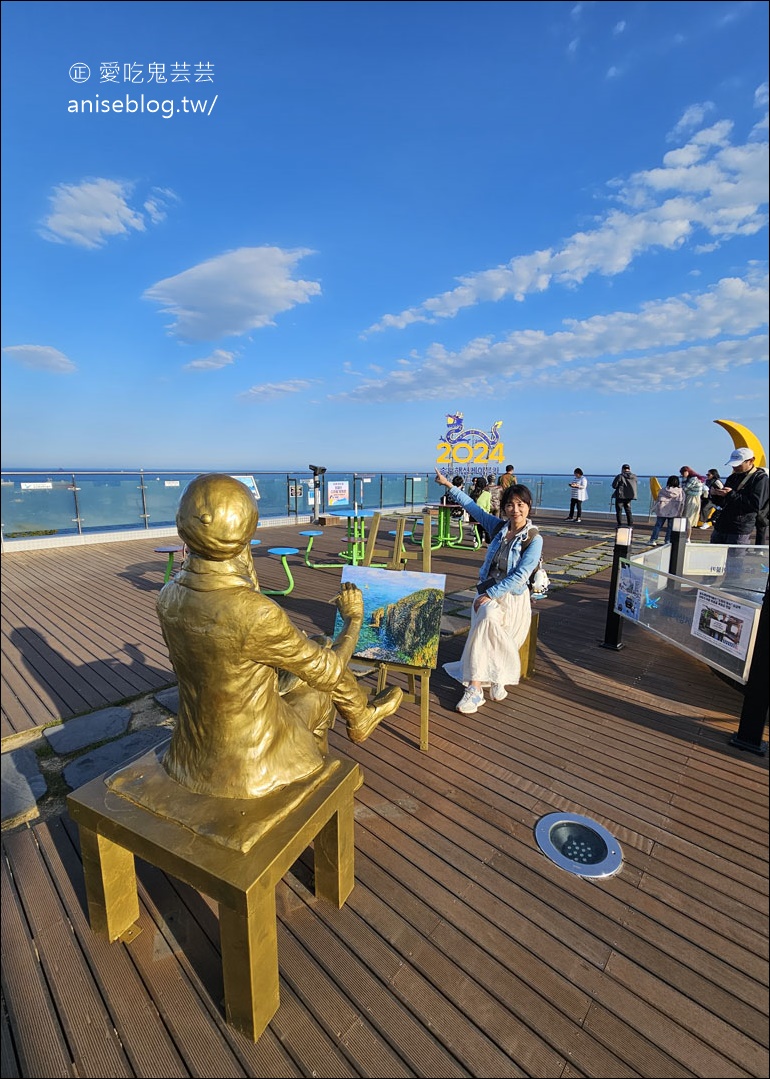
(579,845)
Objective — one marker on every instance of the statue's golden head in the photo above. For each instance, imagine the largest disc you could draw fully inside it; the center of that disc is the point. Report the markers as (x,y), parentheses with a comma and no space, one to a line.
(217,516)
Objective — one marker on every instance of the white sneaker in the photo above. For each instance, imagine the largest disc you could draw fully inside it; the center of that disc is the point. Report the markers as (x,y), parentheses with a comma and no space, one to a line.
(471,701)
(498,692)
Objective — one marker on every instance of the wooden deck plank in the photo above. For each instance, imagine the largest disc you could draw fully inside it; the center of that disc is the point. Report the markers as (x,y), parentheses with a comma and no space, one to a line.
(190,929)
(484,821)
(24,705)
(76,651)
(416,988)
(9,1065)
(79,643)
(721,976)
(93,1042)
(60,681)
(137,1022)
(358,1027)
(38,1040)
(112,619)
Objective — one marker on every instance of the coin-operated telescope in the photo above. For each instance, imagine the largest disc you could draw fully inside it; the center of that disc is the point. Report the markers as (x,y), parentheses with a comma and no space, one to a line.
(318,471)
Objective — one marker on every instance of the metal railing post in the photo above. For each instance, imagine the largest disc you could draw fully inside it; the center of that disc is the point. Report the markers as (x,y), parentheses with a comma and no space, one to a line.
(77,519)
(755,701)
(144,514)
(613,630)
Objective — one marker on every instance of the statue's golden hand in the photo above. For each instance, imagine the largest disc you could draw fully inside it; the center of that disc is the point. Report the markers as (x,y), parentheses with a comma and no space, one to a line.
(350,601)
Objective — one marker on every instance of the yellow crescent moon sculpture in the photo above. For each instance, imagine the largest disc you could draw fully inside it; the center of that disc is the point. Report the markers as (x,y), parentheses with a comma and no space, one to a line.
(742,436)
(654,487)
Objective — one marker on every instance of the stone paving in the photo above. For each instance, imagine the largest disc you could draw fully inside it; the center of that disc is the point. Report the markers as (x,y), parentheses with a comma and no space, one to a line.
(35,781)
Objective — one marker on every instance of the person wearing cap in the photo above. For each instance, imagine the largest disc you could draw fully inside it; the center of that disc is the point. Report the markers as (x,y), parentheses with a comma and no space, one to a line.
(256,696)
(742,498)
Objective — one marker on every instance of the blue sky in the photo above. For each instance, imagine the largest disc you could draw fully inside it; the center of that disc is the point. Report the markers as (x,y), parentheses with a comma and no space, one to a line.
(334,224)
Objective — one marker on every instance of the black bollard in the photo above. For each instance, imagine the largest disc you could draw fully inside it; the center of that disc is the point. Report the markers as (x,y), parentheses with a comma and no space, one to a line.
(678,547)
(318,471)
(755,701)
(613,629)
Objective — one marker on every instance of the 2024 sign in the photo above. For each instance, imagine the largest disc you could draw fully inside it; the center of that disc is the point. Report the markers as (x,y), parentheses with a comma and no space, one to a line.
(461,446)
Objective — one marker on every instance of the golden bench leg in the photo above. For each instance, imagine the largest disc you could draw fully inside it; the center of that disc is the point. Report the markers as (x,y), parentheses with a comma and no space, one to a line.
(249,942)
(113,902)
(334,856)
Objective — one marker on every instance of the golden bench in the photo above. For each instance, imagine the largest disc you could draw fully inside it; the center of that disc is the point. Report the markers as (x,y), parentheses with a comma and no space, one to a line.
(113,829)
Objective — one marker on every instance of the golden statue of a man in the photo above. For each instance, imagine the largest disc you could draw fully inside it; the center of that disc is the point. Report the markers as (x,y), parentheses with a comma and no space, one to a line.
(256,695)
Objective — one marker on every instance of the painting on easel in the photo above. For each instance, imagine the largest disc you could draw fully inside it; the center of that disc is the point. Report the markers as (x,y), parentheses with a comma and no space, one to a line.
(402,615)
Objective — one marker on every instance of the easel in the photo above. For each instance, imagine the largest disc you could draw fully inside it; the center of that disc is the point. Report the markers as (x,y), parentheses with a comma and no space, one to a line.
(399,556)
(397,560)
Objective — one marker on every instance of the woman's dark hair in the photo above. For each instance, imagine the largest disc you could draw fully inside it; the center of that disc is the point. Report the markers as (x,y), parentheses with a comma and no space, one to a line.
(457,481)
(577,472)
(713,474)
(516,490)
(672,481)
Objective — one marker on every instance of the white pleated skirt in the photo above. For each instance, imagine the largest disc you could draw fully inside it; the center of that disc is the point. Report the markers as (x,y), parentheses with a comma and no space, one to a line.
(491,654)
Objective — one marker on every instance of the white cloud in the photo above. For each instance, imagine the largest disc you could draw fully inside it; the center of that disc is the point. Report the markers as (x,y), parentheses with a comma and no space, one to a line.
(268,391)
(233,293)
(692,327)
(761,96)
(156,202)
(692,117)
(41,358)
(619,27)
(662,372)
(218,358)
(89,213)
(705,192)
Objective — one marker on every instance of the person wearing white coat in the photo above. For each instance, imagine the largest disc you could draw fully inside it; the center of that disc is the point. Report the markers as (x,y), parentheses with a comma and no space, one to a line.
(668,505)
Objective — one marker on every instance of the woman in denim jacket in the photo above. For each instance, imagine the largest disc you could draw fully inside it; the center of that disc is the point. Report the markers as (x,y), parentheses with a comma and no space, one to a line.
(502,612)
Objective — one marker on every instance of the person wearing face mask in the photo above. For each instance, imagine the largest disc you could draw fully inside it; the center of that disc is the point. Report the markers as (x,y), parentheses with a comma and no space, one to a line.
(502,612)
(743,499)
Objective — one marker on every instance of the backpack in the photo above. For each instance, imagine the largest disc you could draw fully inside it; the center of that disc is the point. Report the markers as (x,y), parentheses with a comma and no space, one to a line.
(539,582)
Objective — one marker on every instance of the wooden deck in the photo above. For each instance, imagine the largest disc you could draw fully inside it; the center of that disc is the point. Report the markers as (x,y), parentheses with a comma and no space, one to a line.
(462,950)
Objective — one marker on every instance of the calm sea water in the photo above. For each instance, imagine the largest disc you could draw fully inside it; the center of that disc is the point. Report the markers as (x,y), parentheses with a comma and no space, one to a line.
(59,502)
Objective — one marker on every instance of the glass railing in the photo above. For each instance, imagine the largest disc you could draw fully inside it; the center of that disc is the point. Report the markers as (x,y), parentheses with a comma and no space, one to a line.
(64,503)
(711,611)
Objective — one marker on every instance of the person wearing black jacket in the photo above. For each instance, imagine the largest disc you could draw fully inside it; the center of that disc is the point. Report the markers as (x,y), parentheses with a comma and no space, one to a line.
(743,497)
(625,490)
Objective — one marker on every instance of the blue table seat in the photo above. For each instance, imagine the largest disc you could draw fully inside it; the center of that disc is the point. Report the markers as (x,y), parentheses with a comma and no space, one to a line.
(283,553)
(170,550)
(311,534)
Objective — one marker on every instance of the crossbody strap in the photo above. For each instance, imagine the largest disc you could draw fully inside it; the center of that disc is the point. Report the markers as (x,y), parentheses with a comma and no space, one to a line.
(745,479)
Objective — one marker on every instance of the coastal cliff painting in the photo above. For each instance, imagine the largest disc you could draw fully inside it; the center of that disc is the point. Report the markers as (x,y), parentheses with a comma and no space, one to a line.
(402,615)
